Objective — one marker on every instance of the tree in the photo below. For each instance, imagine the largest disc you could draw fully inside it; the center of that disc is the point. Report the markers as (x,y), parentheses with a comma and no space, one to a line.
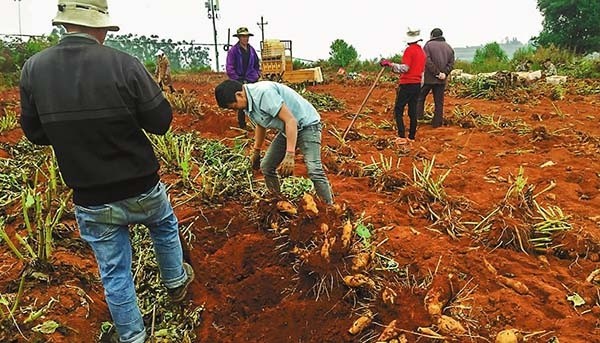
(341,53)
(572,24)
(181,54)
(491,52)
(490,58)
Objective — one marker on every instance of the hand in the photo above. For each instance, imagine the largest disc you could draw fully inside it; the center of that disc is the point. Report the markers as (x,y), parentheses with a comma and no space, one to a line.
(255,159)
(441,76)
(385,63)
(286,168)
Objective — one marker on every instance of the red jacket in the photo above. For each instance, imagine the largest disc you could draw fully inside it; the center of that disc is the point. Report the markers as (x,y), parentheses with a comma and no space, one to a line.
(414,57)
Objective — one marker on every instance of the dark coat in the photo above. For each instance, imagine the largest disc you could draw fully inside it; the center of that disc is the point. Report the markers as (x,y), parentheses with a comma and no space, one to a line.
(440,58)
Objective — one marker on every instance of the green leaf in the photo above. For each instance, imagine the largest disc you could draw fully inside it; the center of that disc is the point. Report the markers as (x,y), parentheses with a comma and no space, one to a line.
(47,327)
(576,299)
(105,327)
(4,301)
(363,231)
(29,201)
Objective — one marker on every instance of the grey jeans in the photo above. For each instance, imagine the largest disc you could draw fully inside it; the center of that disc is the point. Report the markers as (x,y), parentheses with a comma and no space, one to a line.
(309,142)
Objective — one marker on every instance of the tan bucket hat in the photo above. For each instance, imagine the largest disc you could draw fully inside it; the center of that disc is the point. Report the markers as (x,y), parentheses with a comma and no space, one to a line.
(88,13)
(242,31)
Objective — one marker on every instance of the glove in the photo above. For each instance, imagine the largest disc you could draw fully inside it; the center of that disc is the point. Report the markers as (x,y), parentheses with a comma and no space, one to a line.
(255,159)
(385,63)
(441,76)
(286,168)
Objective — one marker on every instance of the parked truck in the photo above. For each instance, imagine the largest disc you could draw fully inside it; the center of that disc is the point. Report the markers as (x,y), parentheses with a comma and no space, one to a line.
(277,64)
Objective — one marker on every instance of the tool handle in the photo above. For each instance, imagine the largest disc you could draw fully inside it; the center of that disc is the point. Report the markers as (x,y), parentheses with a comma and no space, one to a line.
(363,104)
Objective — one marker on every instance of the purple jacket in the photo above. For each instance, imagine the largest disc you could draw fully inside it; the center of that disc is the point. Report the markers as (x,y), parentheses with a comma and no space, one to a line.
(234,65)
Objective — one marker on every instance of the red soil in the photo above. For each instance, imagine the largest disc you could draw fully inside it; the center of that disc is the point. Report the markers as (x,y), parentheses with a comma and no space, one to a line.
(252,293)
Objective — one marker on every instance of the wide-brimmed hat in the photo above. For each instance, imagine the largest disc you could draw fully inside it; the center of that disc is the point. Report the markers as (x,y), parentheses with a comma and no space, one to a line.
(412,36)
(242,31)
(88,13)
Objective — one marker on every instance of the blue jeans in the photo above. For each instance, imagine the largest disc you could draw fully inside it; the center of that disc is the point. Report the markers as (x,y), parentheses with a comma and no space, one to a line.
(106,229)
(309,142)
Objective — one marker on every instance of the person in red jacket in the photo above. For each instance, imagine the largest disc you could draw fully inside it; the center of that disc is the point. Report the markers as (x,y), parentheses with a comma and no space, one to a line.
(411,70)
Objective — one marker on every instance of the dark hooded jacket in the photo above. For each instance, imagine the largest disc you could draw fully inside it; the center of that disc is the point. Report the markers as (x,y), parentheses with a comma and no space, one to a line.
(440,58)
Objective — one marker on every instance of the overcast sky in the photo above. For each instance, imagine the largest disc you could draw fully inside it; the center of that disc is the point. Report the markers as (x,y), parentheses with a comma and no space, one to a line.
(374,28)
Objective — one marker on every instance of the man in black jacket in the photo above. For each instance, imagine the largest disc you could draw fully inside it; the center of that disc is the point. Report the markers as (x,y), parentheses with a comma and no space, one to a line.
(92,104)
(440,61)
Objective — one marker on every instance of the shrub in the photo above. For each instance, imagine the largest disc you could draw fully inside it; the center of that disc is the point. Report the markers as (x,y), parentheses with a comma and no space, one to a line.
(362,66)
(465,66)
(583,68)
(15,51)
(523,54)
(566,61)
(150,66)
(490,58)
(559,57)
(299,64)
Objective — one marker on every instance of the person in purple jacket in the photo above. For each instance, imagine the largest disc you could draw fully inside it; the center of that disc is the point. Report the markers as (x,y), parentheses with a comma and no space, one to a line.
(243,64)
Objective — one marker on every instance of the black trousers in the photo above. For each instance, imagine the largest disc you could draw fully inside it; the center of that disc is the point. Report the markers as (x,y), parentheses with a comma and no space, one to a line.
(408,94)
(438,99)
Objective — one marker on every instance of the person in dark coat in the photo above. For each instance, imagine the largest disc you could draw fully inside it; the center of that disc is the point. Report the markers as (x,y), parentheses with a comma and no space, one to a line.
(243,64)
(439,64)
(95,105)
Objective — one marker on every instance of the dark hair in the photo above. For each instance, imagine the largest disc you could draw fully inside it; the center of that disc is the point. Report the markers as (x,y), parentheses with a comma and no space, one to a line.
(436,33)
(225,92)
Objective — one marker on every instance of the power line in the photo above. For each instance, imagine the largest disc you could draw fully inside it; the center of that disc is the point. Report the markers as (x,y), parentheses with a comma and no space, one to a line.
(20,35)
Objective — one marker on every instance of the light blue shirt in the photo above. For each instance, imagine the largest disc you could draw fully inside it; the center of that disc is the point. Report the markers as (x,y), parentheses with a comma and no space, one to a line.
(265,99)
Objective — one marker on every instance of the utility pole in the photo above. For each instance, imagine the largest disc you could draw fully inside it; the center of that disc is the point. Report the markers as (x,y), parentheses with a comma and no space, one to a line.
(213,8)
(262,27)
(19,7)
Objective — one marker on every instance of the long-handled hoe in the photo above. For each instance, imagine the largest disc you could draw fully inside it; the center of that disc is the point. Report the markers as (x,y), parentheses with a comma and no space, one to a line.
(363,104)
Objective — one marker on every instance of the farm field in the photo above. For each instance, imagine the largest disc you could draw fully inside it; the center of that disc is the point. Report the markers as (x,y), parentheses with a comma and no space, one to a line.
(489,223)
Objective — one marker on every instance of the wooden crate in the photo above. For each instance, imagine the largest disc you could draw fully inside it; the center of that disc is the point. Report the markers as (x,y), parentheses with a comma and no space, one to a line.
(272,65)
(303,75)
(272,48)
